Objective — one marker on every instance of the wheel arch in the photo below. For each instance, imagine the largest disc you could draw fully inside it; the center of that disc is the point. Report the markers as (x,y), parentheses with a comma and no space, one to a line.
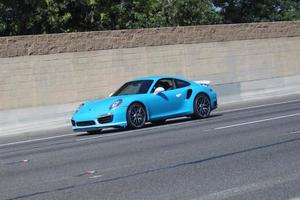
(204,93)
(144,106)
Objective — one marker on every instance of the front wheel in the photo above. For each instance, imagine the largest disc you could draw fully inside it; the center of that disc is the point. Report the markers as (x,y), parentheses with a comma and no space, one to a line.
(136,116)
(201,106)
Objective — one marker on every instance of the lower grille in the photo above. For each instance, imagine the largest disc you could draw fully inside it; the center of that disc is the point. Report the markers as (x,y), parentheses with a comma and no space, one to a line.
(85,123)
(106,119)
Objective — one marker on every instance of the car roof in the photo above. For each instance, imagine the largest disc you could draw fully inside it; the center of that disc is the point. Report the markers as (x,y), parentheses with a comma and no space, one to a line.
(156,78)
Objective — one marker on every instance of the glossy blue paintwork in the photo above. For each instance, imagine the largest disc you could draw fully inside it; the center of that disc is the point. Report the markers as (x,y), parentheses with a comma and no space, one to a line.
(168,104)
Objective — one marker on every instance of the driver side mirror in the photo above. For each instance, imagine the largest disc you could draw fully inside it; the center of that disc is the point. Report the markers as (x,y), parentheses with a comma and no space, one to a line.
(159,90)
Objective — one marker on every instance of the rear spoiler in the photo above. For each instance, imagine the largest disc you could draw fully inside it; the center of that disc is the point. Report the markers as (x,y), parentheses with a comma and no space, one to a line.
(204,83)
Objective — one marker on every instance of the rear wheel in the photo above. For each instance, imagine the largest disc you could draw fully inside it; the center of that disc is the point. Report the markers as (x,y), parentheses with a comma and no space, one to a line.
(136,116)
(201,106)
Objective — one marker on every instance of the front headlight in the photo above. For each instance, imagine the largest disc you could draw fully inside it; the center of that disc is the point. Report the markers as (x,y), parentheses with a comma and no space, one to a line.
(116,104)
(80,106)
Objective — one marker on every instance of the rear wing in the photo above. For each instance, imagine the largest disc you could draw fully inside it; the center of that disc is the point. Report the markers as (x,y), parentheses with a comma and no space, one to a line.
(204,83)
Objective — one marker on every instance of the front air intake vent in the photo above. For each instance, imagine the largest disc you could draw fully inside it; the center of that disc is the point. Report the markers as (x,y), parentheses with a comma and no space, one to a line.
(86,123)
(189,93)
(105,119)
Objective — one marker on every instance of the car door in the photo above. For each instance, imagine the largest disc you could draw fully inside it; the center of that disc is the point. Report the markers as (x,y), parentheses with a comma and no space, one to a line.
(166,103)
(183,93)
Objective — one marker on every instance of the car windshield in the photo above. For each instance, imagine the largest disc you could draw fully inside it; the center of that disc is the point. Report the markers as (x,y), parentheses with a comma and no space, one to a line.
(134,87)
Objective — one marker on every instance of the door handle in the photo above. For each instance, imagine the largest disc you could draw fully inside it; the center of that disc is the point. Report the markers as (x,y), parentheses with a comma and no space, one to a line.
(178,95)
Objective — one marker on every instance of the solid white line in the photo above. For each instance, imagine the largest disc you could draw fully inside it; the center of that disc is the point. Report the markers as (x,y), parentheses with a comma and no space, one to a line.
(90,138)
(257,121)
(258,106)
(35,140)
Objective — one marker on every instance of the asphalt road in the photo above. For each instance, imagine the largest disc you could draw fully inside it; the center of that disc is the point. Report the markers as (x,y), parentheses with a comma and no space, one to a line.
(244,151)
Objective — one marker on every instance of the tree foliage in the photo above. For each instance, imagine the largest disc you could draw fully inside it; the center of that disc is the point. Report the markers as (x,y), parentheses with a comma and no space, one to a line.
(19,17)
(241,11)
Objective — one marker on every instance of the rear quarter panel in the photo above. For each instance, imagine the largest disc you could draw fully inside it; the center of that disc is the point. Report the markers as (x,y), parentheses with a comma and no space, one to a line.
(205,89)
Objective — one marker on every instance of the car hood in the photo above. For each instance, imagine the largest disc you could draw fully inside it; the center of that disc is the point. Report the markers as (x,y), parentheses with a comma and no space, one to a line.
(96,108)
(99,106)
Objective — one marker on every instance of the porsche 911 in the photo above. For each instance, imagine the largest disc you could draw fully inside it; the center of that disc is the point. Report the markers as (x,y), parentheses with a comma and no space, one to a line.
(149,99)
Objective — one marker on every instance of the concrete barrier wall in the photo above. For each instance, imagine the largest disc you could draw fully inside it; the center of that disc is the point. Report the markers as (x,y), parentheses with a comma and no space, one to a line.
(44,77)
(102,40)
(232,66)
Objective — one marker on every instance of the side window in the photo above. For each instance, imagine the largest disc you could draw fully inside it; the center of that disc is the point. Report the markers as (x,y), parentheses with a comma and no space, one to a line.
(181,83)
(167,84)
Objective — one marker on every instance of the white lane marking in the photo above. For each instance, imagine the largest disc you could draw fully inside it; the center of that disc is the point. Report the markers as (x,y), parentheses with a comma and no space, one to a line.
(73,134)
(97,176)
(90,172)
(258,106)
(236,191)
(257,121)
(17,162)
(108,135)
(35,140)
(294,132)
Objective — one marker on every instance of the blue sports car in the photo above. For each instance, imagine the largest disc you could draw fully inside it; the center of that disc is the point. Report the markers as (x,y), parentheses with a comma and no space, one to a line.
(148,99)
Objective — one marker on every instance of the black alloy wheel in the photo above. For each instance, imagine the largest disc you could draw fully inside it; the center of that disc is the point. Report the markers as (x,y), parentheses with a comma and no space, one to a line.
(201,106)
(136,116)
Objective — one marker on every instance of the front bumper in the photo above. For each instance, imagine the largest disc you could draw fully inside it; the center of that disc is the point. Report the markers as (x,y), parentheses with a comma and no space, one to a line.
(114,118)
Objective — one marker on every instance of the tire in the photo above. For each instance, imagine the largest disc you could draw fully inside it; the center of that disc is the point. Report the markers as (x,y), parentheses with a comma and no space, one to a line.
(95,132)
(158,122)
(202,107)
(136,116)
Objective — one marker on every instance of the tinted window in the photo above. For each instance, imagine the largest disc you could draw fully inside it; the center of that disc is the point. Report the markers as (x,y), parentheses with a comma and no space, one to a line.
(181,83)
(167,84)
(134,87)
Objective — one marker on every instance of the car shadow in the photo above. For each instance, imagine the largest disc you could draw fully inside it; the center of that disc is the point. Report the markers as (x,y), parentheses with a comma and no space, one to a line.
(149,125)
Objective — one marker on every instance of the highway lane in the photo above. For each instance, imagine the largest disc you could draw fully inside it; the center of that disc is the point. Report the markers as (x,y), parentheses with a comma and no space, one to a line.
(250,151)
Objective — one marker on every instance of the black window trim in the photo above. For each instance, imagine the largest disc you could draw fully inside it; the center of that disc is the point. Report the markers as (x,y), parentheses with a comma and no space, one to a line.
(172,79)
(114,94)
(176,79)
